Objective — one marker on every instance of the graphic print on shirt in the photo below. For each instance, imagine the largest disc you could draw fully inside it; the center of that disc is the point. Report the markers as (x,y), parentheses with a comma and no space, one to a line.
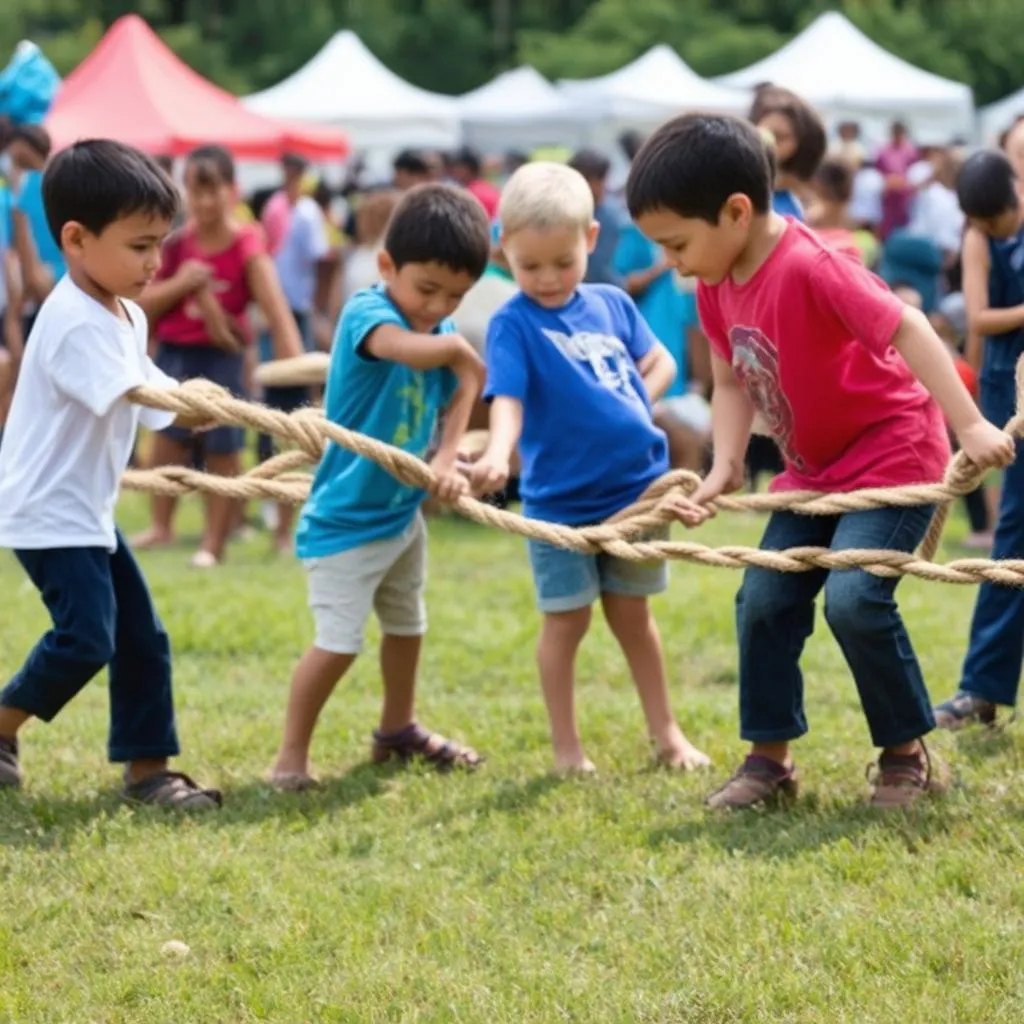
(605,353)
(755,361)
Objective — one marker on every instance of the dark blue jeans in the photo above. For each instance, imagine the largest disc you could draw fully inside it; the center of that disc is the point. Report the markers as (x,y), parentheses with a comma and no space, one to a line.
(996,650)
(775,616)
(102,615)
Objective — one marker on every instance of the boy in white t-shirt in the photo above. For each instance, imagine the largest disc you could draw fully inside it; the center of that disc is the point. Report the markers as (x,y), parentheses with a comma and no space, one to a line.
(69,436)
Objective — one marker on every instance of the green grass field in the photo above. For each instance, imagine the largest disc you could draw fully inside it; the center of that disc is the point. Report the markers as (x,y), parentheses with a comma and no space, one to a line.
(506,895)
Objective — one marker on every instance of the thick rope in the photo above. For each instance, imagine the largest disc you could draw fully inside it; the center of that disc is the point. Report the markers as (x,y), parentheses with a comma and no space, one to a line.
(622,536)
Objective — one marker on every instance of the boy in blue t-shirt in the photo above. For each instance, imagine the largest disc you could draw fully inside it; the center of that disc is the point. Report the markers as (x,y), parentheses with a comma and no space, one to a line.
(395,365)
(571,373)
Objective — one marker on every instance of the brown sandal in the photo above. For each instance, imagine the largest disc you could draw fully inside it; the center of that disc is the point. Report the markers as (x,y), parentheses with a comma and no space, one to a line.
(172,789)
(415,741)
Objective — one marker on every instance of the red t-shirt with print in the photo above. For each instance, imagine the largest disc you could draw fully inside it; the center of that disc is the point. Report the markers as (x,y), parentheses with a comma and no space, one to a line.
(183,325)
(809,337)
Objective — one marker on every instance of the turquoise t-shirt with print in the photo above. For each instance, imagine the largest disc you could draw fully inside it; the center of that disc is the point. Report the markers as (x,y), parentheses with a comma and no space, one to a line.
(353,501)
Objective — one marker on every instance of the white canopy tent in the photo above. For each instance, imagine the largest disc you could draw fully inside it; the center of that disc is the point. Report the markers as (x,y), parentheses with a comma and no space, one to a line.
(847,76)
(651,89)
(521,109)
(347,86)
(997,117)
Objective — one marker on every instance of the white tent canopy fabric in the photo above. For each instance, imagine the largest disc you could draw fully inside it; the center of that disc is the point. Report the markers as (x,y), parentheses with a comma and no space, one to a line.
(347,86)
(998,116)
(520,109)
(655,86)
(847,76)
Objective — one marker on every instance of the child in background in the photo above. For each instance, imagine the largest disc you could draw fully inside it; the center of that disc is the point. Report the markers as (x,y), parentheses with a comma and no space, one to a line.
(572,370)
(830,214)
(798,142)
(212,270)
(993,279)
(829,356)
(69,437)
(361,267)
(395,365)
(601,267)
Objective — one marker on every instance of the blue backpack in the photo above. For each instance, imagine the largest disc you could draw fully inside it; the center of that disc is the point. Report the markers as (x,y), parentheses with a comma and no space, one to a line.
(28,85)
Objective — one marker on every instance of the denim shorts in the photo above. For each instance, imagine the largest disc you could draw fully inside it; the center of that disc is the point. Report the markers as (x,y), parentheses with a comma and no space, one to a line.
(186,362)
(566,580)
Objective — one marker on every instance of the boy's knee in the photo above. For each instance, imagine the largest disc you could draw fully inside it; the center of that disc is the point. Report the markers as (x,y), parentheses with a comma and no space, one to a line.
(850,598)
(569,626)
(762,596)
(89,651)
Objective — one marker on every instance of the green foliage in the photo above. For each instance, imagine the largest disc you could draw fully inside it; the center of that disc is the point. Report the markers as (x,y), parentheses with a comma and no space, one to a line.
(454,45)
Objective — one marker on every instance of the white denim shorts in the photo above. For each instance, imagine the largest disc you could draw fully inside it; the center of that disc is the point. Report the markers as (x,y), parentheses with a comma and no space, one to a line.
(387,577)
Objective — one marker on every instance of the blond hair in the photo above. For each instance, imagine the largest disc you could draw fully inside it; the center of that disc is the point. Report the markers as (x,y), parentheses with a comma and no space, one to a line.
(546,195)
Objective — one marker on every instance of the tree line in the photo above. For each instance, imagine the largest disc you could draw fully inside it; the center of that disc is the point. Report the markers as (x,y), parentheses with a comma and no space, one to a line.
(451,46)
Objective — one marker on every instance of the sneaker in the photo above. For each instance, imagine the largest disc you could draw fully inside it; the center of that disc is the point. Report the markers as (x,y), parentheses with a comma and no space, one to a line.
(10,772)
(963,709)
(898,781)
(758,781)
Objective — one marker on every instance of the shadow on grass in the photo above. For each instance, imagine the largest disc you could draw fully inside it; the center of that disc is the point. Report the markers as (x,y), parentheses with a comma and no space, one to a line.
(511,797)
(977,746)
(28,819)
(806,828)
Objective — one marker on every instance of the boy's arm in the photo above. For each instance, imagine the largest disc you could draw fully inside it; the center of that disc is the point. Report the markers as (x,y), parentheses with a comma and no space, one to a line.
(163,295)
(982,320)
(732,416)
(36,278)
(985,444)
(266,290)
(218,322)
(658,370)
(490,472)
(395,344)
(451,484)
(12,334)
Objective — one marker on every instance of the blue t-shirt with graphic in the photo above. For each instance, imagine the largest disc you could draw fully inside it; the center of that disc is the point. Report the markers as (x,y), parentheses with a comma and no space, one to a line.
(353,501)
(669,311)
(786,204)
(589,446)
(29,202)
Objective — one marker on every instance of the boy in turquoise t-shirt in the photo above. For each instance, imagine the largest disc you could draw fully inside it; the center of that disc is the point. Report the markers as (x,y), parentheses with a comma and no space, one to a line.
(395,365)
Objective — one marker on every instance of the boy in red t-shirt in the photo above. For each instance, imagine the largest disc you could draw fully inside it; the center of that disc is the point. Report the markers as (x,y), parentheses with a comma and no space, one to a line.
(853,385)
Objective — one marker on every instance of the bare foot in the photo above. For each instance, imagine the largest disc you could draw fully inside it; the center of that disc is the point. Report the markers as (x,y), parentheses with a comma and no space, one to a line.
(574,767)
(683,756)
(204,559)
(293,782)
(150,539)
(292,774)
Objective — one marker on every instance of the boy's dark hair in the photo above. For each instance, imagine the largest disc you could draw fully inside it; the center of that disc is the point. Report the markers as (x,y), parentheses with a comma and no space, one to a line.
(97,181)
(987,186)
(213,165)
(412,161)
(808,130)
(834,181)
(34,136)
(630,142)
(692,164)
(468,158)
(440,224)
(592,165)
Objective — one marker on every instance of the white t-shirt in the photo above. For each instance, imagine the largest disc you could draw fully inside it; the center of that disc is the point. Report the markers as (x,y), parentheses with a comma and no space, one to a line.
(70,431)
(866,202)
(936,215)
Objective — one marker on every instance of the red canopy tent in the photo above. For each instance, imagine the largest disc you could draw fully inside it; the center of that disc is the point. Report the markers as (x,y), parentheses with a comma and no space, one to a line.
(134,89)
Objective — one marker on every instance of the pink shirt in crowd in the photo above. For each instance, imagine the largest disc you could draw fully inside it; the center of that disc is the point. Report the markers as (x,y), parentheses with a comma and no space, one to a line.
(488,194)
(184,325)
(277,217)
(809,337)
(896,202)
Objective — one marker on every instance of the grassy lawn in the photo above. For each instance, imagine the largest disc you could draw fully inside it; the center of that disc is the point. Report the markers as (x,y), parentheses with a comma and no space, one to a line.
(507,895)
